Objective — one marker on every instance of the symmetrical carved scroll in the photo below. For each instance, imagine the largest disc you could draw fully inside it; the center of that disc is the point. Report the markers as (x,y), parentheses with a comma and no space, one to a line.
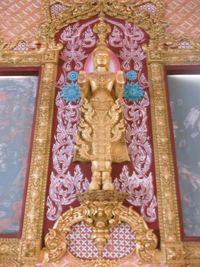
(101,210)
(120,9)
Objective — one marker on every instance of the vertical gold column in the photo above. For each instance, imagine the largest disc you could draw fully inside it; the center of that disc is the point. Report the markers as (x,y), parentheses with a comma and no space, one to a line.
(171,247)
(35,200)
(189,252)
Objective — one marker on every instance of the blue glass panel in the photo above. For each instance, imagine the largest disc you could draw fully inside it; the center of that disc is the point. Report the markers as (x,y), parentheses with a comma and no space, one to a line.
(184,91)
(17,101)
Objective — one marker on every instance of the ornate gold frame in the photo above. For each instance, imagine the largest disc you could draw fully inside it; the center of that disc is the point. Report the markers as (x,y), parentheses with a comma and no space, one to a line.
(173,250)
(27,249)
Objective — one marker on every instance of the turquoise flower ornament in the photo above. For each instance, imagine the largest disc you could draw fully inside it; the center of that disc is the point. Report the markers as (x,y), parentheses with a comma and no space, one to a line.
(70,92)
(72,76)
(133,91)
(131,75)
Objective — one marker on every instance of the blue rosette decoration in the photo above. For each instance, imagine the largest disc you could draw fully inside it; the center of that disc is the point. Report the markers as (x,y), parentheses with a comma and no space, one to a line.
(72,76)
(70,92)
(131,75)
(133,92)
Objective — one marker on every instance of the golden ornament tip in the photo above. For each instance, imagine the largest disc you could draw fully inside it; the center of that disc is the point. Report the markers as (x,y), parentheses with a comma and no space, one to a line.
(102,29)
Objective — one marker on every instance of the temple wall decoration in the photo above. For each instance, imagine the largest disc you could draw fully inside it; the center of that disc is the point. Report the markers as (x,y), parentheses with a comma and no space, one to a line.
(63,200)
(136,176)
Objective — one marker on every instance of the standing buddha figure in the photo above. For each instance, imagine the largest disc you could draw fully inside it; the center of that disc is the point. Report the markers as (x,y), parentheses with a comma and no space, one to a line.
(101,132)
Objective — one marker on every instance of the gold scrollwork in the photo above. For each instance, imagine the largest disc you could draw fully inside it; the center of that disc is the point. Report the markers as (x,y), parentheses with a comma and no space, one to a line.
(100,210)
(27,248)
(79,10)
(173,250)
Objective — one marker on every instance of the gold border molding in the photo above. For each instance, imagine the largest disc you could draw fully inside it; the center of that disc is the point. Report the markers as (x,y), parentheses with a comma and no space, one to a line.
(27,248)
(173,251)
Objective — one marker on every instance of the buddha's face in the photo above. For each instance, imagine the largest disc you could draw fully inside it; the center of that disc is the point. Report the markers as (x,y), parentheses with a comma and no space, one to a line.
(102,59)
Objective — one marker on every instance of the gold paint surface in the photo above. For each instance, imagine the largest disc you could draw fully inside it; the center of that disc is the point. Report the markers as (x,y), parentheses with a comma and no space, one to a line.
(173,251)
(101,215)
(101,132)
(27,248)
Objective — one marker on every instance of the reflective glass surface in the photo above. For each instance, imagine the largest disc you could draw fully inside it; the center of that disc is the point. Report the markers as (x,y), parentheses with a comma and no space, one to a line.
(184,93)
(17,102)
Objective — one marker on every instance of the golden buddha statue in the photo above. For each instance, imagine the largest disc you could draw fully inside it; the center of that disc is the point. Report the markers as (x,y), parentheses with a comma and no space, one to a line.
(101,137)
(101,132)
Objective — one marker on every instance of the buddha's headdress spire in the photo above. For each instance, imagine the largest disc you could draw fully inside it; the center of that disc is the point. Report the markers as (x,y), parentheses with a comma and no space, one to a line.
(102,29)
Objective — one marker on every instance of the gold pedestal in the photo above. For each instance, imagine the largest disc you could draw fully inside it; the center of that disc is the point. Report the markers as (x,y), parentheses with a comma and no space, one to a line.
(100,210)
(102,213)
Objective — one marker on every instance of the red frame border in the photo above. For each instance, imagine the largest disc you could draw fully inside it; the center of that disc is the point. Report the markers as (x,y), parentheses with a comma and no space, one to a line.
(24,71)
(177,69)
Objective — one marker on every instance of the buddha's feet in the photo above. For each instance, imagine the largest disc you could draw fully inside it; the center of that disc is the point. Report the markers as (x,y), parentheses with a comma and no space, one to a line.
(94,185)
(108,186)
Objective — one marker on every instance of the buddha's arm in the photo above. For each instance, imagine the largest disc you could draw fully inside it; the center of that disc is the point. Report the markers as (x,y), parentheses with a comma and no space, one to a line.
(83,84)
(119,84)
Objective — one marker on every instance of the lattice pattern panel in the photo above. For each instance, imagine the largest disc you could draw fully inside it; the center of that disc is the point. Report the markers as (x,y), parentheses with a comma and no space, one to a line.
(185,45)
(150,8)
(21,46)
(120,245)
(183,17)
(57,8)
(20,19)
(80,244)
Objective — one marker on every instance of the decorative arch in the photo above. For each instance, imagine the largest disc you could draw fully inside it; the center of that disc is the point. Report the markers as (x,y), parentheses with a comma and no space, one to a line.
(123,9)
